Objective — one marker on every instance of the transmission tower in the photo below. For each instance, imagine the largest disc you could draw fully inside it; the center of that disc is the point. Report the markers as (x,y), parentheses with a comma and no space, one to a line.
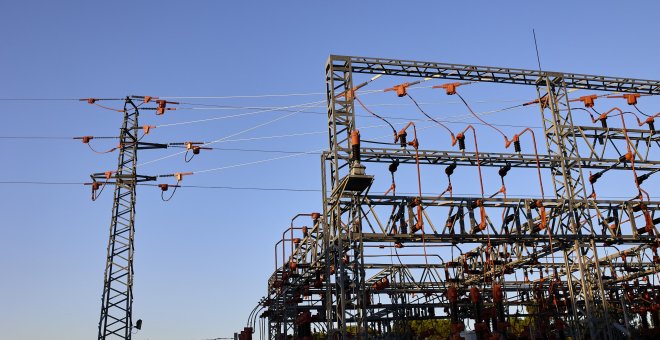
(116,321)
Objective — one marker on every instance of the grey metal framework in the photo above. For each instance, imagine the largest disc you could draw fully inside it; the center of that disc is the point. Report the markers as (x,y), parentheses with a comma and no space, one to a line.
(116,321)
(586,262)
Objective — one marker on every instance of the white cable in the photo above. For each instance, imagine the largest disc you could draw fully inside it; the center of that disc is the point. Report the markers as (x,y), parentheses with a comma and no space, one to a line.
(260,95)
(251,96)
(226,137)
(305,105)
(259,161)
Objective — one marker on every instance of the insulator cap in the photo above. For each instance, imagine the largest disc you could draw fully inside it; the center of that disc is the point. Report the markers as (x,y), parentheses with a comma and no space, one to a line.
(461,142)
(449,170)
(394,166)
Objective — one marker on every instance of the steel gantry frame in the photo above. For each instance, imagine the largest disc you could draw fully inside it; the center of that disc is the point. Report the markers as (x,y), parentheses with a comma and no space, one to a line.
(584,294)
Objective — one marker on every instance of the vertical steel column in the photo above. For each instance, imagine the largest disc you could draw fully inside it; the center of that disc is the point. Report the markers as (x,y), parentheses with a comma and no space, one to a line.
(359,274)
(341,122)
(116,319)
(326,244)
(568,183)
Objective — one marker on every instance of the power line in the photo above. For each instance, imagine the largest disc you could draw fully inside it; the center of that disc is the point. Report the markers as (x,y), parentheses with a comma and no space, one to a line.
(41,182)
(39,99)
(225,187)
(34,137)
(224,138)
(282,108)
(457,121)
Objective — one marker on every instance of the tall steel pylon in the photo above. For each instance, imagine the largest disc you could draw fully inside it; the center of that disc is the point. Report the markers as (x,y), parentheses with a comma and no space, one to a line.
(116,321)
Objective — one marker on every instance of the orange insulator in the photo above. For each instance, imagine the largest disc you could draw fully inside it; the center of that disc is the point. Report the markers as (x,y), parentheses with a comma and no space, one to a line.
(475,296)
(305,231)
(179,175)
(162,106)
(452,294)
(296,240)
(316,216)
(399,89)
(293,265)
(355,137)
(386,282)
(631,98)
(164,187)
(147,128)
(498,296)
(588,101)
(450,88)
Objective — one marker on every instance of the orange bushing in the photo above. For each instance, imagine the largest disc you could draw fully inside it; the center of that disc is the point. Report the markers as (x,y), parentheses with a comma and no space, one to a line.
(475,296)
(497,293)
(452,294)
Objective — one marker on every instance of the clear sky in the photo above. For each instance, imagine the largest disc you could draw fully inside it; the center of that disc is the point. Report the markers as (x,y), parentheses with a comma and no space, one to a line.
(202,259)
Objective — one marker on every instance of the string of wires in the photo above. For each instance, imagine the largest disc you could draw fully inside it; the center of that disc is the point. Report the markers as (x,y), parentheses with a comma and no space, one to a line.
(255,188)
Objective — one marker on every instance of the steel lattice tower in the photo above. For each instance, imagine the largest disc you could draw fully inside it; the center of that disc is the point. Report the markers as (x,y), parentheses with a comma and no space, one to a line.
(116,319)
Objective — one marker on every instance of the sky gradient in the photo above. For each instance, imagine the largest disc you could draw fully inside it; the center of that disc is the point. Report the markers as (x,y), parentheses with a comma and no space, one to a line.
(202,259)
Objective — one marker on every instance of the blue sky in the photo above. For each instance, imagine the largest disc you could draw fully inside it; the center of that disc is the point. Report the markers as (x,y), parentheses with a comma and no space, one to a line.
(202,259)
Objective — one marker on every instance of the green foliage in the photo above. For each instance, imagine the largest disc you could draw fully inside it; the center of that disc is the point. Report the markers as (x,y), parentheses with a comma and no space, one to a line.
(435,329)
(518,325)
(353,330)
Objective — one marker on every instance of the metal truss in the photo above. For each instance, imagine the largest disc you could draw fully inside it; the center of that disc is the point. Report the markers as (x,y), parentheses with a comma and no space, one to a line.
(116,321)
(578,265)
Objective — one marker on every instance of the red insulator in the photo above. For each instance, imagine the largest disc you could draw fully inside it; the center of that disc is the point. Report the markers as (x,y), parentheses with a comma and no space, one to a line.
(452,294)
(475,296)
(498,296)
(386,282)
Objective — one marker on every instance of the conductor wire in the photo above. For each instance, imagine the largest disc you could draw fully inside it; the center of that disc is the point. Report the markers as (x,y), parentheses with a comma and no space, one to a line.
(429,117)
(479,118)
(375,115)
